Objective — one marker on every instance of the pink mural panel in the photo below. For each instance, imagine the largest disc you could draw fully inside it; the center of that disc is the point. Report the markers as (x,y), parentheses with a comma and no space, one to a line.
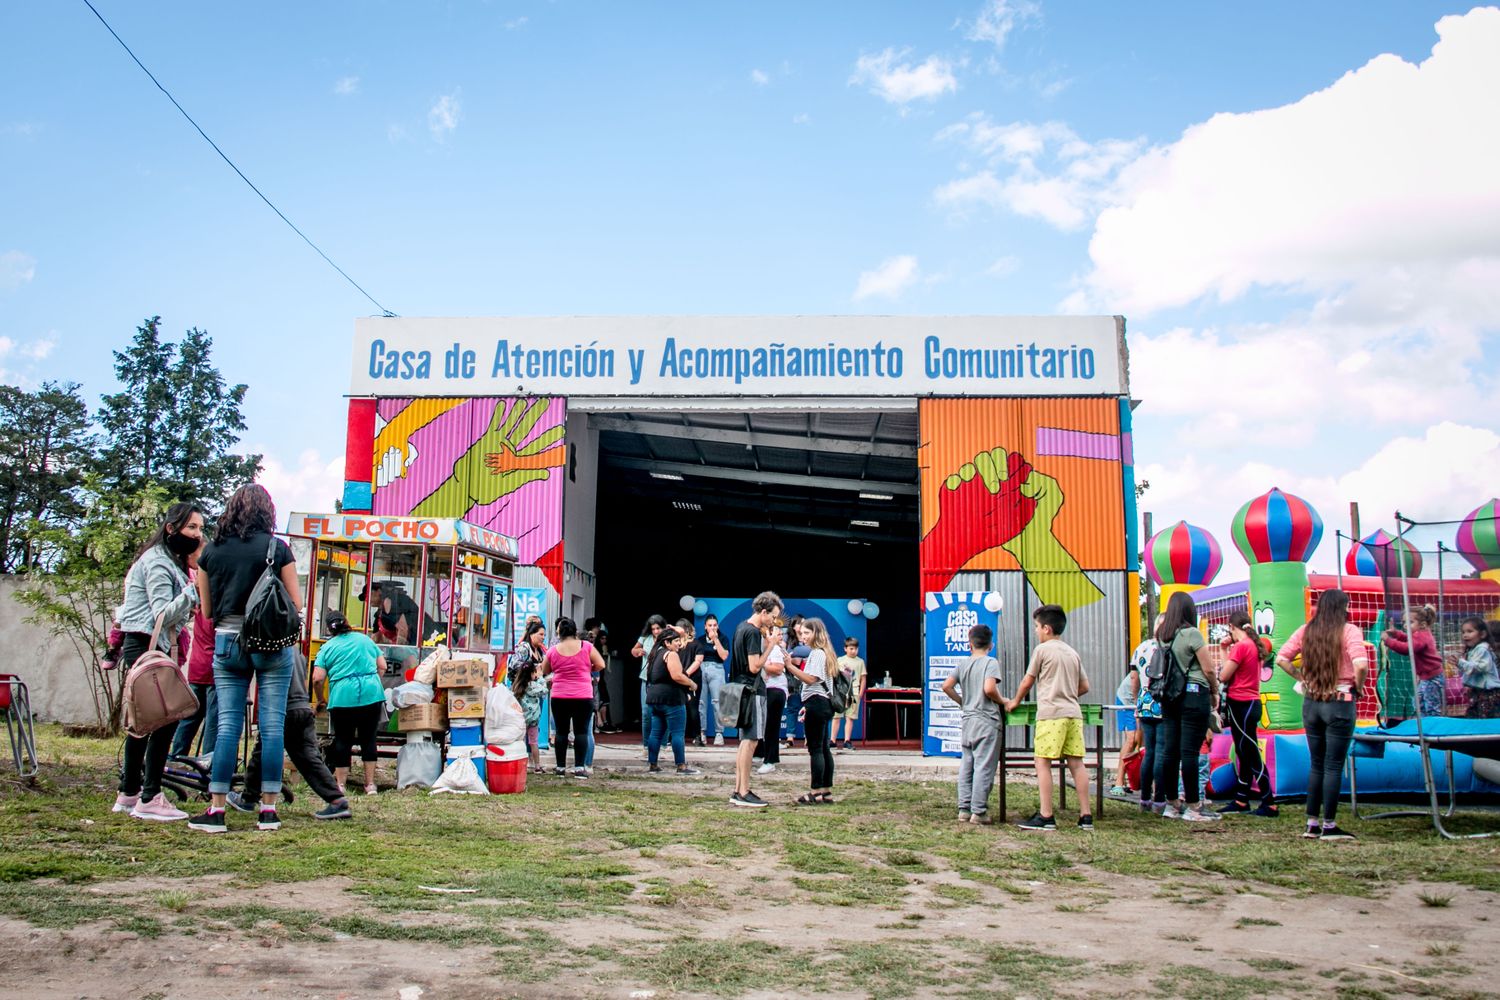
(497,462)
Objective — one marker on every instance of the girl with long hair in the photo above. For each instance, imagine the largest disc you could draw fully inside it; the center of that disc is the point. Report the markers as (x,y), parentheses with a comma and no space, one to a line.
(571,663)
(642,648)
(774,671)
(228,570)
(529,687)
(1244,651)
(1420,646)
(1479,666)
(1184,722)
(1332,672)
(156,587)
(816,675)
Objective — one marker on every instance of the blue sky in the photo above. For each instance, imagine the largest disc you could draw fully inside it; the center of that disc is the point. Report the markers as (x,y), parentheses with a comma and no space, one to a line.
(1294,205)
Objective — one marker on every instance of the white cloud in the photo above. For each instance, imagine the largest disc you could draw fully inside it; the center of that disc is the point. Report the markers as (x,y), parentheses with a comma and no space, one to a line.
(900,82)
(801,118)
(23,129)
(16,269)
(998,18)
(308,483)
(759,77)
(443,116)
(395,133)
(346,85)
(893,277)
(515,24)
(1380,186)
(1004,267)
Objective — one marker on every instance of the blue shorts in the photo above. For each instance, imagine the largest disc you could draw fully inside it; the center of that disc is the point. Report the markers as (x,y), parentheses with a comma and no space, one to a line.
(1126,718)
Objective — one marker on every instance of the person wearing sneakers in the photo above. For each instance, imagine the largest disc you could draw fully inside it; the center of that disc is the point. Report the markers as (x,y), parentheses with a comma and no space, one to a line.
(1244,653)
(975,686)
(1184,720)
(854,666)
(1057,674)
(747,659)
(301,740)
(228,569)
(667,690)
(571,663)
(768,750)
(1332,672)
(156,587)
(352,663)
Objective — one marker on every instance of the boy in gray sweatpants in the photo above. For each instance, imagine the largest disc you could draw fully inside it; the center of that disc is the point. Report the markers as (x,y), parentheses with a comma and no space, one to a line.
(975,686)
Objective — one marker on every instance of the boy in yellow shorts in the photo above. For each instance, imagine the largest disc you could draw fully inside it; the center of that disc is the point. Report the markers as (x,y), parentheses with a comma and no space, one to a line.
(1057,673)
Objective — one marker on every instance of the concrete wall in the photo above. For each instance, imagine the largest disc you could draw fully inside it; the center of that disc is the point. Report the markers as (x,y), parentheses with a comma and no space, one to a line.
(48,663)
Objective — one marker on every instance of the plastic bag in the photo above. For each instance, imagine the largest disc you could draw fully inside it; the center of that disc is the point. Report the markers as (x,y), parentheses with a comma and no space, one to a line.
(408,694)
(461,777)
(426,671)
(419,764)
(504,720)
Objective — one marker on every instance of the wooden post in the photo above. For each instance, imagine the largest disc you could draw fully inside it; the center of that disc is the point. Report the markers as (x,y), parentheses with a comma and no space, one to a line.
(1151,597)
(1354,520)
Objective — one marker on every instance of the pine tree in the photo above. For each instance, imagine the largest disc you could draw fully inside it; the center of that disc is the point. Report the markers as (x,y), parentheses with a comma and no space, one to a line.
(45,449)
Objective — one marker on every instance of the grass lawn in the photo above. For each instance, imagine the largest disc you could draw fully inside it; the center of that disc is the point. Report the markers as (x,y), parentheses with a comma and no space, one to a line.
(883,895)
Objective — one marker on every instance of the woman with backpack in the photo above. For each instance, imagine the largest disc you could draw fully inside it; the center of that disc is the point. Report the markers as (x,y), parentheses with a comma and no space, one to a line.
(1332,674)
(1188,693)
(228,570)
(156,590)
(815,674)
(1245,653)
(352,664)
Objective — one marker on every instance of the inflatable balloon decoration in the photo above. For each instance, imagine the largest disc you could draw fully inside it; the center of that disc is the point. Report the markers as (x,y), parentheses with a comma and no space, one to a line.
(1383,555)
(1478,541)
(1183,557)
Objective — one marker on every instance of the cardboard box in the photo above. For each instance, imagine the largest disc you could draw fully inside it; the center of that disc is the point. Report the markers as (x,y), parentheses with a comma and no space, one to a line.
(462,673)
(432,717)
(466,703)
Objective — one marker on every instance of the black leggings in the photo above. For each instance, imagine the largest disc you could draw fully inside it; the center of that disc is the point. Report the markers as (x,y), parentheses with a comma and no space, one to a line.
(145,756)
(1179,744)
(351,726)
(769,749)
(1330,728)
(818,723)
(1249,770)
(572,714)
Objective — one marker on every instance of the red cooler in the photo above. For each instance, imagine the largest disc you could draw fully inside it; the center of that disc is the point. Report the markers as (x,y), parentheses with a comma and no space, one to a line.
(505,775)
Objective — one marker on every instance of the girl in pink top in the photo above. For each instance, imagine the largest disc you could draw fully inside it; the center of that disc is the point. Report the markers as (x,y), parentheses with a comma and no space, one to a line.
(1425,660)
(571,663)
(1241,676)
(1332,672)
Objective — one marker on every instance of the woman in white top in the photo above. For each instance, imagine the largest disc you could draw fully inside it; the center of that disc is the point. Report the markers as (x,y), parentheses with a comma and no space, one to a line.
(769,748)
(818,718)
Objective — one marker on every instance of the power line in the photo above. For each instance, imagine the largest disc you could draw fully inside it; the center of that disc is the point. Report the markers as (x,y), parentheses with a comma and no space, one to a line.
(232,166)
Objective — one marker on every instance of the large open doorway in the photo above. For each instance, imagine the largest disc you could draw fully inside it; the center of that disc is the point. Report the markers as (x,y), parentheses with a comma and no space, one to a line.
(811,499)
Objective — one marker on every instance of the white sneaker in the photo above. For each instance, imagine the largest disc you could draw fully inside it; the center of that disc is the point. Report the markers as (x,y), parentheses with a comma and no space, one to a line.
(1171,811)
(765,769)
(719,740)
(1194,814)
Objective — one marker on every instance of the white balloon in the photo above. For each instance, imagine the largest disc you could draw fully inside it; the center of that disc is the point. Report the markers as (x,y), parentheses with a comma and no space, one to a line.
(686,603)
(856,606)
(992,602)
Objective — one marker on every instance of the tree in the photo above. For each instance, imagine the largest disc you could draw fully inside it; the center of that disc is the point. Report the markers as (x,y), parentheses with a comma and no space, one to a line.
(78,598)
(45,449)
(174,421)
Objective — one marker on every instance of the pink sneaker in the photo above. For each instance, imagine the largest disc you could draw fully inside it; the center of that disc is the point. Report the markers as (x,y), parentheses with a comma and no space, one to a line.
(124,803)
(157,809)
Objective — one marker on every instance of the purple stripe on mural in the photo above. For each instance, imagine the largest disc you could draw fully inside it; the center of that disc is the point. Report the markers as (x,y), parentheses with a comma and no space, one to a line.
(1077,444)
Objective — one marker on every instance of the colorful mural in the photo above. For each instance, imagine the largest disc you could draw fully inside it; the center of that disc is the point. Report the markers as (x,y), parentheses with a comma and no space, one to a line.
(1024,484)
(495,462)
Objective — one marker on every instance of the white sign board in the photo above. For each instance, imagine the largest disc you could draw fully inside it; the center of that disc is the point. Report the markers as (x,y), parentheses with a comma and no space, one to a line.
(741,356)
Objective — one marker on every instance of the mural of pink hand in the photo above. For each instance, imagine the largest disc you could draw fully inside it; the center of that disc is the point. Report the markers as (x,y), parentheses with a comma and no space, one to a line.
(980,507)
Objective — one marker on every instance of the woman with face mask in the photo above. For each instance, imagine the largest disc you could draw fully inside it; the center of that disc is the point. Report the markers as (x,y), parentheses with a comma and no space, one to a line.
(156,587)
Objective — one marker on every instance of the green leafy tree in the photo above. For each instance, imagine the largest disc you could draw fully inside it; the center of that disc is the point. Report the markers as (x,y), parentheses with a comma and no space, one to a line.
(45,449)
(78,597)
(175,420)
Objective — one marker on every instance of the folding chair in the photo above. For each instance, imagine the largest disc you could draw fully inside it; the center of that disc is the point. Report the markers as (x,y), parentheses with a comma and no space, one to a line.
(15,705)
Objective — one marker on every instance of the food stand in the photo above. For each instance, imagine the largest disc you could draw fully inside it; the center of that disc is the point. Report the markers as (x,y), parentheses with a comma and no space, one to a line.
(407,582)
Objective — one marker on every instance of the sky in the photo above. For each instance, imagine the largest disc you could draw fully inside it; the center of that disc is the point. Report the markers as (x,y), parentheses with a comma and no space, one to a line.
(1295,206)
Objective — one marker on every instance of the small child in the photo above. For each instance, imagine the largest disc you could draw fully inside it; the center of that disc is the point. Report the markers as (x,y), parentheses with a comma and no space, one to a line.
(979,697)
(531,690)
(1057,673)
(1419,645)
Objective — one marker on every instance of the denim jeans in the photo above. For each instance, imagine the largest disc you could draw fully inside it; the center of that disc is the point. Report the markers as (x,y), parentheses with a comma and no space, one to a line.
(207,716)
(712,683)
(234,669)
(1151,744)
(588,753)
(1179,746)
(667,721)
(1330,729)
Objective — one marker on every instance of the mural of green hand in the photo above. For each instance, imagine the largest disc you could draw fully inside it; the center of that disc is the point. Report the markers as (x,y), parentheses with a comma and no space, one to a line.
(500,462)
(1050,568)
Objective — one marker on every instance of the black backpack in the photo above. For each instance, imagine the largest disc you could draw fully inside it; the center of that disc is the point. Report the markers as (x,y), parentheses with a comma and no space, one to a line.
(1166,680)
(840,692)
(271,620)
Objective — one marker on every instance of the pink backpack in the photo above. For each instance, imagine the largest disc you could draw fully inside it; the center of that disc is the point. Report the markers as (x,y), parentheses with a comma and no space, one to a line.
(156,693)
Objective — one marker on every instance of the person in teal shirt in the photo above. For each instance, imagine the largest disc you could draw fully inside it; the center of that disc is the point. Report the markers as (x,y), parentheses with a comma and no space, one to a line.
(352,664)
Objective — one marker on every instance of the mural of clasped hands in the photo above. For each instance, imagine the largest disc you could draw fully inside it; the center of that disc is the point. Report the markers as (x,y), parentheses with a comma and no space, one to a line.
(999,499)
(500,462)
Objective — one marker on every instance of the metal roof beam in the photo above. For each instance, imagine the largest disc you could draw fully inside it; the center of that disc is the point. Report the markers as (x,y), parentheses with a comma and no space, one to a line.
(754,439)
(752,476)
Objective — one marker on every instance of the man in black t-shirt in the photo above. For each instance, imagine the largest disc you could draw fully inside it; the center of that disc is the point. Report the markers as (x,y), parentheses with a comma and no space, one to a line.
(746,657)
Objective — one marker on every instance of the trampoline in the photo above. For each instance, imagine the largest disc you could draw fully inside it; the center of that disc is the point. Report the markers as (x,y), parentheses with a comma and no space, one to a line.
(1476,738)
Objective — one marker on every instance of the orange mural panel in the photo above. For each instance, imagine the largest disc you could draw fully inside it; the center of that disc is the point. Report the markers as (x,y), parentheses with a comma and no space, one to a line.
(1028,484)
